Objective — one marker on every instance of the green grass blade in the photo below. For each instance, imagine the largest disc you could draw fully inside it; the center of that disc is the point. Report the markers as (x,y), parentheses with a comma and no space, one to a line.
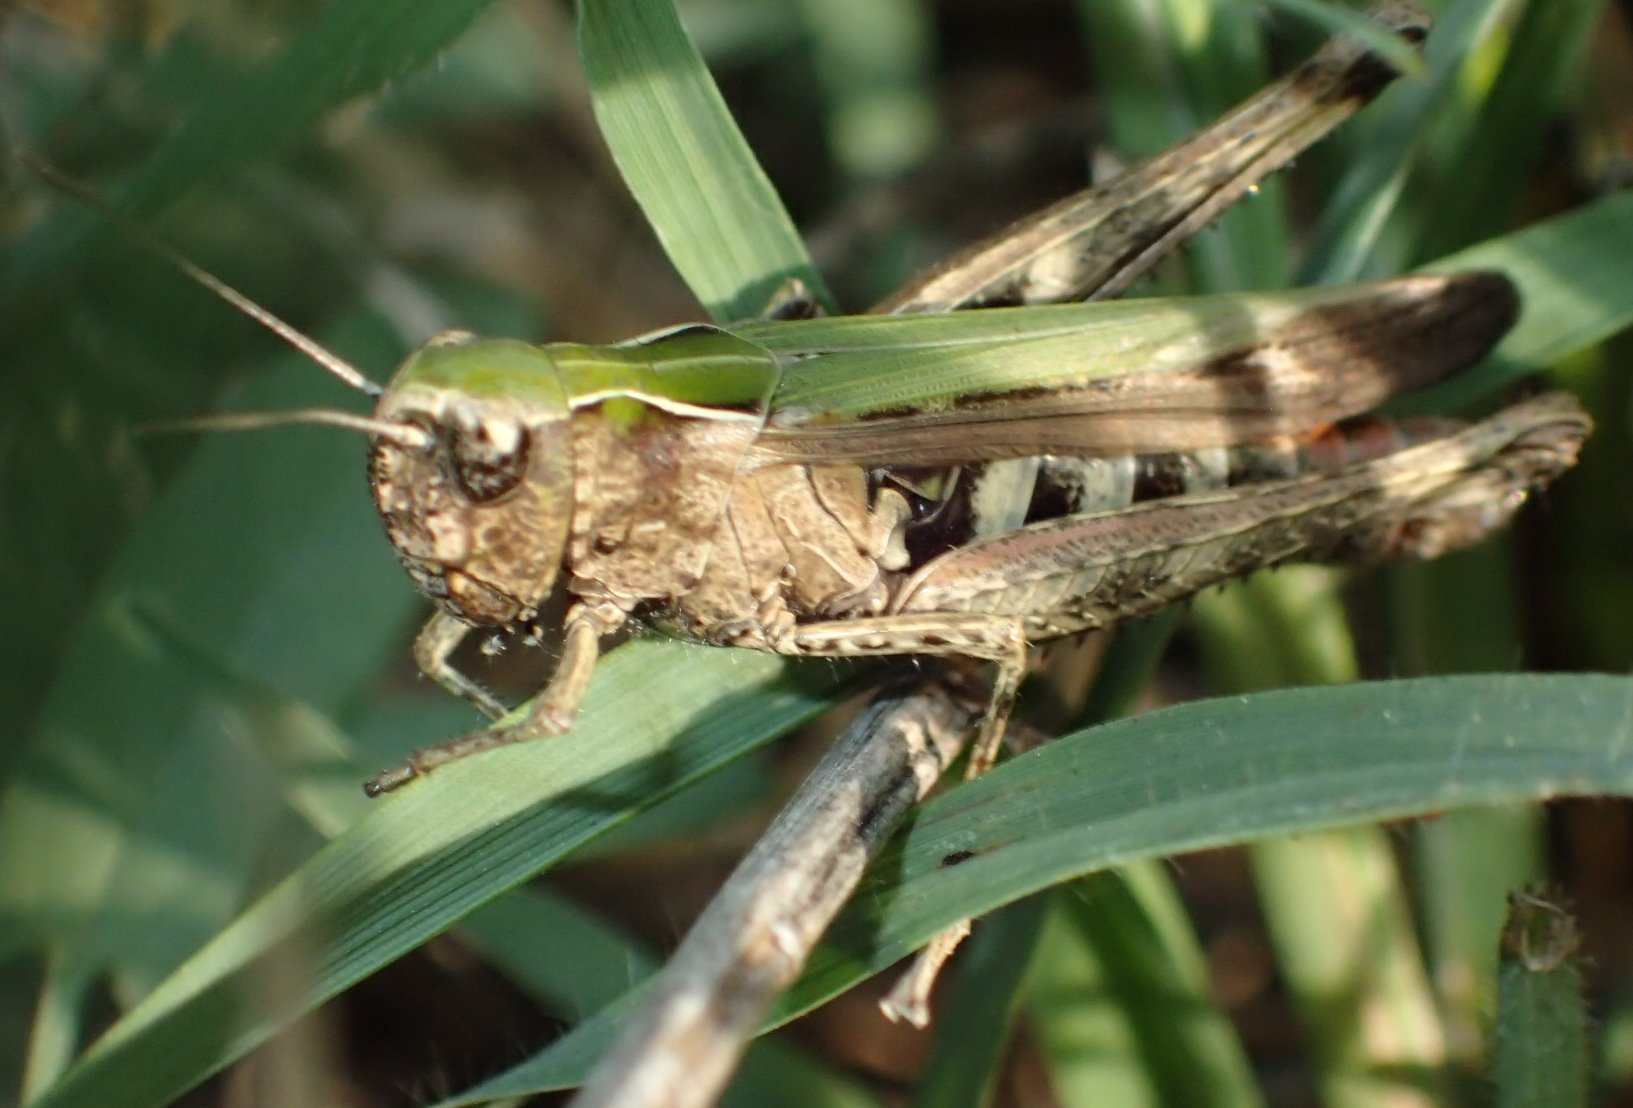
(1233,770)
(683,157)
(431,854)
(1575,273)
(1198,776)
(1572,269)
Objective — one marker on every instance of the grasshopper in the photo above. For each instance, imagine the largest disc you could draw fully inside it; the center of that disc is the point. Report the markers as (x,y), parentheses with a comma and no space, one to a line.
(830,487)
(909,482)
(699,474)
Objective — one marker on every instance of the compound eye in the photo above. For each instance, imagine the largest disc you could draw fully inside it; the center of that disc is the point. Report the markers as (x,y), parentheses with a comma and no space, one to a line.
(489,457)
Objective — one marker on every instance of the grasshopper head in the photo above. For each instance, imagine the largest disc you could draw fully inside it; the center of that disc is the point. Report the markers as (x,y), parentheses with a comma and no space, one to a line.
(480,508)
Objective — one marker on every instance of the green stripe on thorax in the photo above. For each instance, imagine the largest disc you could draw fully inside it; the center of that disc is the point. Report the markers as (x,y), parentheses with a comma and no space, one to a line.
(686,369)
(692,370)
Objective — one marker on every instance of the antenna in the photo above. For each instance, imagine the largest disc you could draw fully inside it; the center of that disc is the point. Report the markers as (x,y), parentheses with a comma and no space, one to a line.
(406,435)
(320,354)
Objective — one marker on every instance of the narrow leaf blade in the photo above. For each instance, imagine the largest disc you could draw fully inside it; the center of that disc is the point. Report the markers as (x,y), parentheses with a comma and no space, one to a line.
(683,157)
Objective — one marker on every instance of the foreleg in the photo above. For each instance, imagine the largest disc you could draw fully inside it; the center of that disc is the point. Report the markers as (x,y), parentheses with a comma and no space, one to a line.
(552,713)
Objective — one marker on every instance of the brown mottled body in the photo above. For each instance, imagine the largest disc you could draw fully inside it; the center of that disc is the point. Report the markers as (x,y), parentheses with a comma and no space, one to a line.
(667,521)
(649,499)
